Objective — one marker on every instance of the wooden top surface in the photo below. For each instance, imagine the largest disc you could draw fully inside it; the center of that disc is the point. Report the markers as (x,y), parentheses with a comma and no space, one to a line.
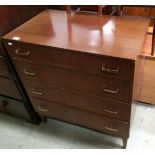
(105,35)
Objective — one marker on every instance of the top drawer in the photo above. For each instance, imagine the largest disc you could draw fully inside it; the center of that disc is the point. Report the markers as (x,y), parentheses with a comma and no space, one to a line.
(115,67)
(3,68)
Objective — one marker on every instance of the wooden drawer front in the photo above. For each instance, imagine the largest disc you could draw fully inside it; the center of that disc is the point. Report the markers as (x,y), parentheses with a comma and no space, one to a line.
(78,100)
(14,108)
(35,71)
(116,68)
(74,80)
(8,88)
(101,65)
(94,84)
(3,68)
(18,50)
(80,117)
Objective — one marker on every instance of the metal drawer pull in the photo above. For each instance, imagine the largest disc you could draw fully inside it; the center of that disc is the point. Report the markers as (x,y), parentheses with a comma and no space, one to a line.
(111,129)
(36,93)
(111,112)
(17,52)
(40,109)
(29,73)
(108,70)
(111,91)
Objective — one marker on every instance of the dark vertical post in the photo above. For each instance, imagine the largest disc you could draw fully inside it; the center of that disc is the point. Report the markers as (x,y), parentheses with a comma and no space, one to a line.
(153,37)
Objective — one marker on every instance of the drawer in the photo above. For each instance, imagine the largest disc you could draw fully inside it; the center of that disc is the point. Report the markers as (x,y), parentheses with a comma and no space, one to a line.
(93,84)
(35,71)
(3,68)
(81,117)
(13,107)
(8,88)
(75,80)
(115,67)
(78,100)
(29,52)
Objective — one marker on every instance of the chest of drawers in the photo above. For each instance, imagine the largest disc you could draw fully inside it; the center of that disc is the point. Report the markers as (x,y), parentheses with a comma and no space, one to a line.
(78,72)
(12,101)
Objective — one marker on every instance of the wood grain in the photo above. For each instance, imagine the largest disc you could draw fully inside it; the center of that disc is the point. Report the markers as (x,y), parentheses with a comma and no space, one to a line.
(148,85)
(104,35)
(78,100)
(80,117)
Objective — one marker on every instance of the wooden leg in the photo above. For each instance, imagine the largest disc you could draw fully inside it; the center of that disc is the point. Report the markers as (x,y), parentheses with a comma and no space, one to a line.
(124,143)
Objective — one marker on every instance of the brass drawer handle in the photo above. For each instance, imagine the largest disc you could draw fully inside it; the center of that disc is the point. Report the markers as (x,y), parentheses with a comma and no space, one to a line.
(111,91)
(109,70)
(29,73)
(111,112)
(111,129)
(36,92)
(17,52)
(40,109)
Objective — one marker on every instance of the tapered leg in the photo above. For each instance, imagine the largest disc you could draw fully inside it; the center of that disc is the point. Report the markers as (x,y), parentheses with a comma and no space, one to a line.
(124,142)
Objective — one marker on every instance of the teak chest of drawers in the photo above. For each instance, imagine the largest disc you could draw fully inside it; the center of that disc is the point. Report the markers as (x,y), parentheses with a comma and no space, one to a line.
(80,68)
